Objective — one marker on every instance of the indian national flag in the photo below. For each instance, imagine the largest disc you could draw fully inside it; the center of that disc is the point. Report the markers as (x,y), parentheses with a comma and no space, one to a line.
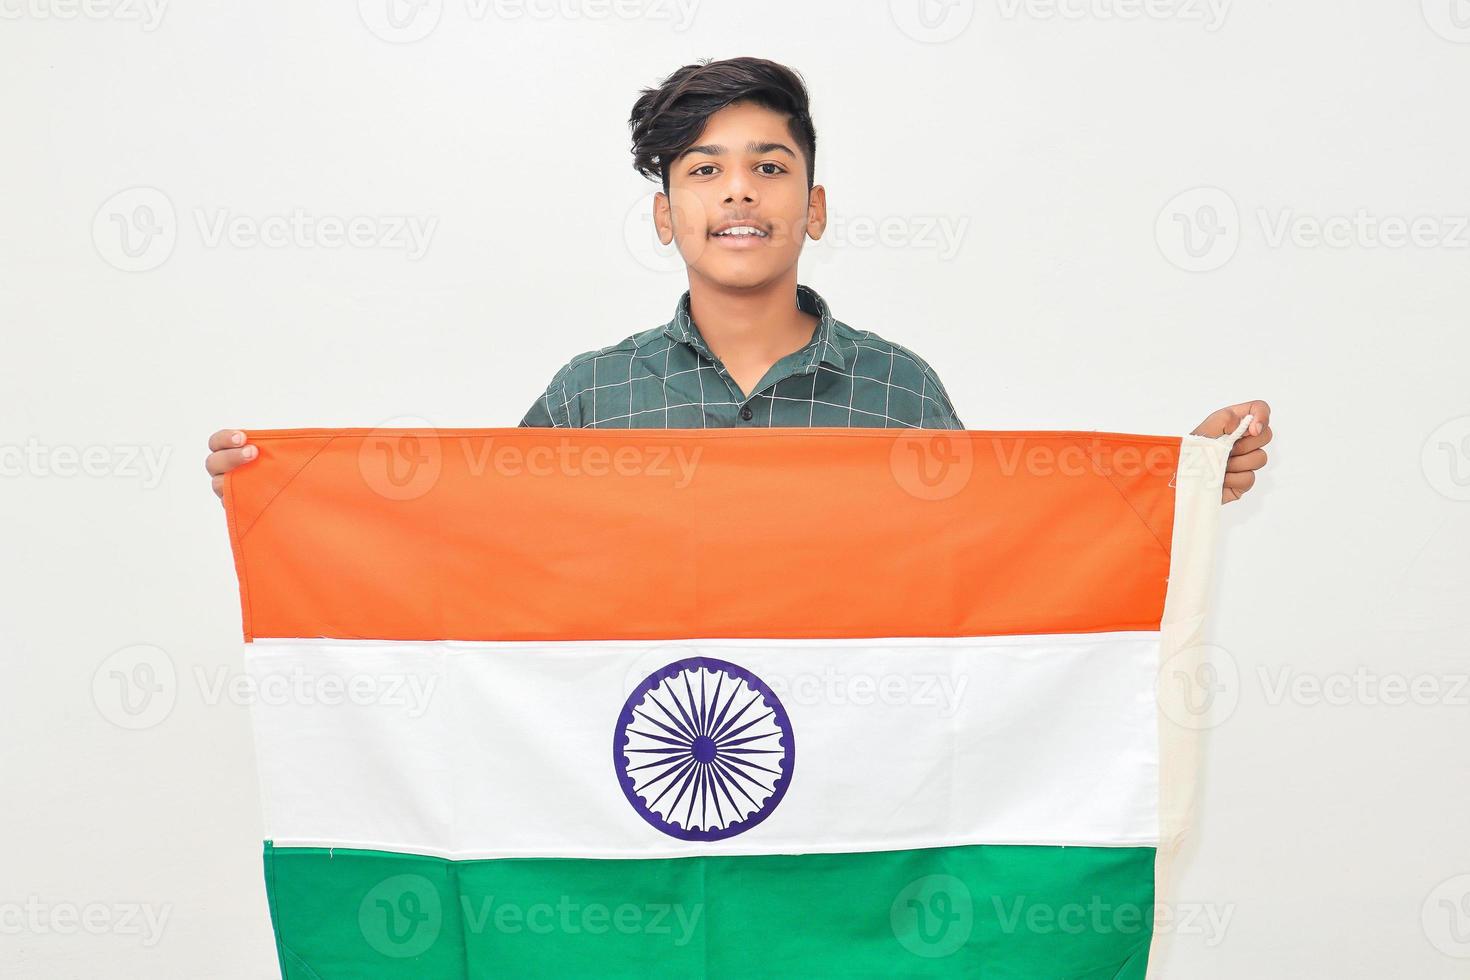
(780,703)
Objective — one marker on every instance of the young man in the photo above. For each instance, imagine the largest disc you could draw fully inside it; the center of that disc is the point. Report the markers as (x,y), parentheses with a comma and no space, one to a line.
(733,145)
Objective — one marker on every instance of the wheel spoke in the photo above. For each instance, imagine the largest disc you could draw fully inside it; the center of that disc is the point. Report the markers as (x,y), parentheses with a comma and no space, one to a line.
(757,721)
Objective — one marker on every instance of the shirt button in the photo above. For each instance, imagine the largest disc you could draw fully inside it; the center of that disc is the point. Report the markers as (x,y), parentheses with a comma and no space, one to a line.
(746,413)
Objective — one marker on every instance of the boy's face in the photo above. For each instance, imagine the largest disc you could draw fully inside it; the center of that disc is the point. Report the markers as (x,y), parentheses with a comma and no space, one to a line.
(745,169)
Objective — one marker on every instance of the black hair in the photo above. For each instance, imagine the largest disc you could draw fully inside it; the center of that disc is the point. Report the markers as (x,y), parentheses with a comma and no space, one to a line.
(668,119)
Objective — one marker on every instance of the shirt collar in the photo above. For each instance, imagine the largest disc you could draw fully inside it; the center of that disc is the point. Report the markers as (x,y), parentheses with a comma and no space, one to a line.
(823,346)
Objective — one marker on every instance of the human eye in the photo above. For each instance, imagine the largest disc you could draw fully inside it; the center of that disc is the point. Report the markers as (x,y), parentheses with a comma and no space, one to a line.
(771,173)
(704,166)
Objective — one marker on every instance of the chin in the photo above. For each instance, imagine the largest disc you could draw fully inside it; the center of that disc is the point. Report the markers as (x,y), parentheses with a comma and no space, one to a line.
(740,276)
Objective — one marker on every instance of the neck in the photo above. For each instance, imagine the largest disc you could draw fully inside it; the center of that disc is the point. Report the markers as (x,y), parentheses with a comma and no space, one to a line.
(750,326)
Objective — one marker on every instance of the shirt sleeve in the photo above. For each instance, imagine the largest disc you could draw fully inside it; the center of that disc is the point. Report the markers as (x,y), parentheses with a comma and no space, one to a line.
(937,411)
(553,409)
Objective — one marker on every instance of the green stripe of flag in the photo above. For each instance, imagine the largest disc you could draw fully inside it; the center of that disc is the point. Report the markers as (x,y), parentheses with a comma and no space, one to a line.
(987,910)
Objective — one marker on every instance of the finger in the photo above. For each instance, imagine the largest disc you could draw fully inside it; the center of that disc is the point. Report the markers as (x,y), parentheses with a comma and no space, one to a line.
(228,459)
(1262,413)
(1240,481)
(1246,461)
(218,483)
(1218,423)
(1247,444)
(226,439)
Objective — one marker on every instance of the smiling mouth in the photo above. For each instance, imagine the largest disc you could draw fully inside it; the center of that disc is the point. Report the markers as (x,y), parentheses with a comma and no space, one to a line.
(740,232)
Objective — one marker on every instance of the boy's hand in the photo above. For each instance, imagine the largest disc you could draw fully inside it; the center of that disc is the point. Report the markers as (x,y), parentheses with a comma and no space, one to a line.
(227,450)
(1246,456)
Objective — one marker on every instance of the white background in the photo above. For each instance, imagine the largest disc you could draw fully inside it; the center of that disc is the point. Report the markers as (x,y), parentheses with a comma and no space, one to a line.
(1058,143)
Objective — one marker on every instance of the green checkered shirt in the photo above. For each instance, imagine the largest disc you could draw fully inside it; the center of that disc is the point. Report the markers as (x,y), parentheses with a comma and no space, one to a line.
(666,378)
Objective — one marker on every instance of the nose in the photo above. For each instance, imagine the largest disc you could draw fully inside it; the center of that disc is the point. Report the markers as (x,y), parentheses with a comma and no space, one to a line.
(740,188)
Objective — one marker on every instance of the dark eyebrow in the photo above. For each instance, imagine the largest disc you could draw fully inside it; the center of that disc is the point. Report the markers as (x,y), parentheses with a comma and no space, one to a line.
(715,149)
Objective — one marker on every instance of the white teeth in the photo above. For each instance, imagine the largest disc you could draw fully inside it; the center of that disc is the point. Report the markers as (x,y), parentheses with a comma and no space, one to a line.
(741,231)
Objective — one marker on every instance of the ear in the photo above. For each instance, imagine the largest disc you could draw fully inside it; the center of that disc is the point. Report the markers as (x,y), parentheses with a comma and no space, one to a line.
(816,212)
(663,218)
